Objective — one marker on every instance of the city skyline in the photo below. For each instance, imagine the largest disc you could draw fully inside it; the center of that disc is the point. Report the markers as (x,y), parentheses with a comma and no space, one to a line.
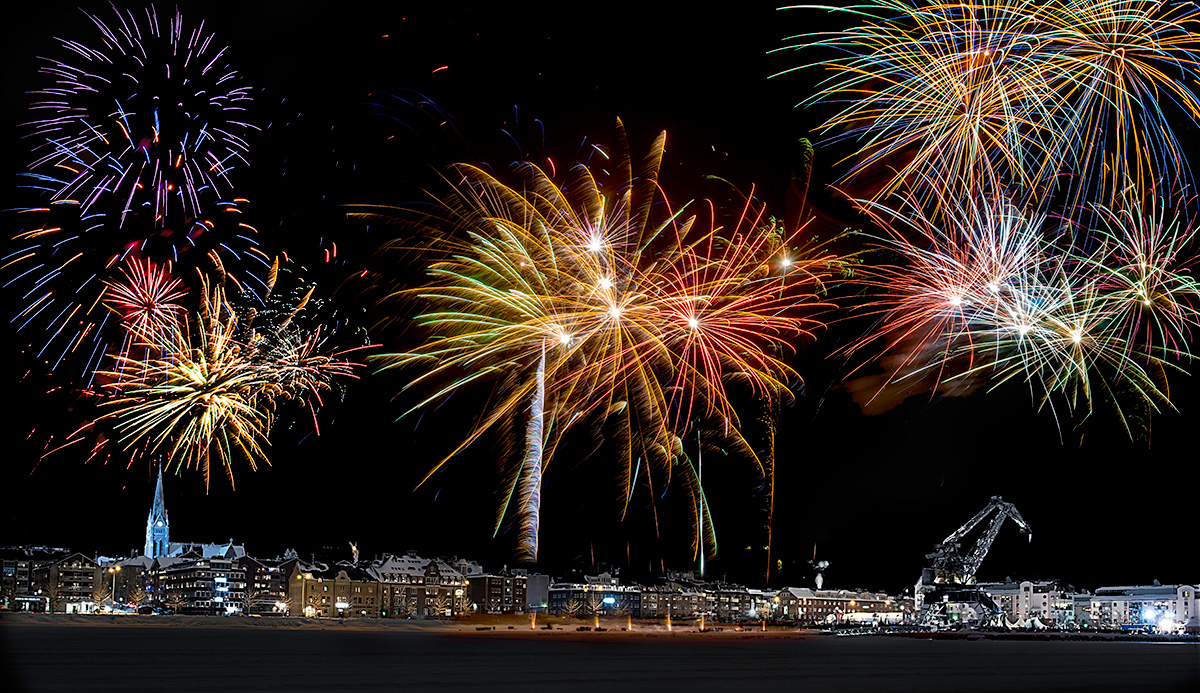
(871,494)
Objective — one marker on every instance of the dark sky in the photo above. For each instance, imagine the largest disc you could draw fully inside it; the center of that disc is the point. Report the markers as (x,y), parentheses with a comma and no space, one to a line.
(341,86)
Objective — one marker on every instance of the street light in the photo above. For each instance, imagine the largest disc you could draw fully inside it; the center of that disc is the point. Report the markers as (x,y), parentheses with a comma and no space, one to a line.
(112,596)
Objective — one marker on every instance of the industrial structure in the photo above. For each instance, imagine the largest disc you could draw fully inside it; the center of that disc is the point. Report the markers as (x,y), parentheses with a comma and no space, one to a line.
(947,594)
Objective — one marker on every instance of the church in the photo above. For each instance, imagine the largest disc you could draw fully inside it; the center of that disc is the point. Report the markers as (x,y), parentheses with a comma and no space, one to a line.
(158,542)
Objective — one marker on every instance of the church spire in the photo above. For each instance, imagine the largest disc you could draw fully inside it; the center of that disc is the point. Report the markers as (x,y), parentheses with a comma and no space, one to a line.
(156,524)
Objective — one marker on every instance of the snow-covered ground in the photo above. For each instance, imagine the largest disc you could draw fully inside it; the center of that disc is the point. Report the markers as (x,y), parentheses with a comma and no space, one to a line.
(175,655)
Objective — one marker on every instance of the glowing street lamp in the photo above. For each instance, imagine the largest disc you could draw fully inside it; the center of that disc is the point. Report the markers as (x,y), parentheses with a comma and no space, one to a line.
(112,595)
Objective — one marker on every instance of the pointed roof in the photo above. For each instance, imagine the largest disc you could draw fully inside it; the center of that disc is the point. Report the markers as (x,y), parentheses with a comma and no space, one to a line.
(160,506)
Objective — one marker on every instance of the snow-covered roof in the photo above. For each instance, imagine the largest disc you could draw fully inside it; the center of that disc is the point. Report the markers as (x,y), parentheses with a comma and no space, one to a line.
(1167,591)
(226,550)
(143,562)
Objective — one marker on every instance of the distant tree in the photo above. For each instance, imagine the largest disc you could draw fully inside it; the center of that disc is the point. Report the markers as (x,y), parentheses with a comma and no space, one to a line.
(101,592)
(574,607)
(594,606)
(443,603)
(52,594)
(254,596)
(311,603)
(175,601)
(136,594)
(406,606)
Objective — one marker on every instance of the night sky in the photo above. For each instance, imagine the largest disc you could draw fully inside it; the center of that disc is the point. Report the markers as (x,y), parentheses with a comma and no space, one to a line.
(359,113)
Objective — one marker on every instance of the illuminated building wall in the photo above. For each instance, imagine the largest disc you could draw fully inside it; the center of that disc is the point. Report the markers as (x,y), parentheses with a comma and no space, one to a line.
(1150,607)
(203,586)
(497,593)
(343,591)
(1051,602)
(68,583)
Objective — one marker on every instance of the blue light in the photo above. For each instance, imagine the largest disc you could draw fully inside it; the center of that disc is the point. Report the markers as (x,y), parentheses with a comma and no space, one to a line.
(610,600)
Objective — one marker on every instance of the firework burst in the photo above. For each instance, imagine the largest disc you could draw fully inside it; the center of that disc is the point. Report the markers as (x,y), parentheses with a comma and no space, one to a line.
(991,292)
(209,389)
(585,303)
(1011,93)
(147,300)
(64,268)
(146,121)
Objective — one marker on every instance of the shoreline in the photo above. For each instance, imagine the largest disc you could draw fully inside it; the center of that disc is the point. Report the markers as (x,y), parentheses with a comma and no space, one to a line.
(508,626)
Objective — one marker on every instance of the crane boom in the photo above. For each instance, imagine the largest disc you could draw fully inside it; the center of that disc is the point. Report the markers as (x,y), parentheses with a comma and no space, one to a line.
(961,569)
(946,594)
(1006,511)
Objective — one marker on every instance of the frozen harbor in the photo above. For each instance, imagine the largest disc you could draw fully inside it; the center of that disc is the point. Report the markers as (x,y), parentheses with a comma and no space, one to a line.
(78,656)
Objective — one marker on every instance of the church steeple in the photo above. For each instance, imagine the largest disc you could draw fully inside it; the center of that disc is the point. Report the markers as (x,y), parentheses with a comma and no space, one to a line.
(157,525)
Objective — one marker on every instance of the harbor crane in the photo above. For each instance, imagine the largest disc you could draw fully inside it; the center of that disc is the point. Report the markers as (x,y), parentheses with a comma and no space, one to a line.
(946,593)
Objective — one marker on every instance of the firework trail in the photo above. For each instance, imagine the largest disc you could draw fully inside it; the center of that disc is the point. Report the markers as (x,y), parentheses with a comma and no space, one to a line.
(1123,68)
(594,305)
(529,484)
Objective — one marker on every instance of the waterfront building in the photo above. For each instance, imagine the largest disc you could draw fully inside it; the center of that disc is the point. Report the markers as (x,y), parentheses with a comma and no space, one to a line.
(497,593)
(124,581)
(341,591)
(762,604)
(266,591)
(68,584)
(16,575)
(1150,607)
(201,586)
(1048,602)
(596,595)
(806,605)
(671,601)
(537,592)
(728,603)
(416,587)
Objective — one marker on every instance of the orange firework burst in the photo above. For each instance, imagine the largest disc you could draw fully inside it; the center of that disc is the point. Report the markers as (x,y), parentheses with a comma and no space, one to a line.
(606,305)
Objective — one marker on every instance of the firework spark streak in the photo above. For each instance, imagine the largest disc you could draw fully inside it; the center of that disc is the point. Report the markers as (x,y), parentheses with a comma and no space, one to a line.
(572,299)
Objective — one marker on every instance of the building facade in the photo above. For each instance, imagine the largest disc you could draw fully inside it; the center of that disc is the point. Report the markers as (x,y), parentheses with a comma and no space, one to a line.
(1047,602)
(497,593)
(202,586)
(343,591)
(17,564)
(596,595)
(1167,608)
(416,587)
(805,605)
(68,584)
